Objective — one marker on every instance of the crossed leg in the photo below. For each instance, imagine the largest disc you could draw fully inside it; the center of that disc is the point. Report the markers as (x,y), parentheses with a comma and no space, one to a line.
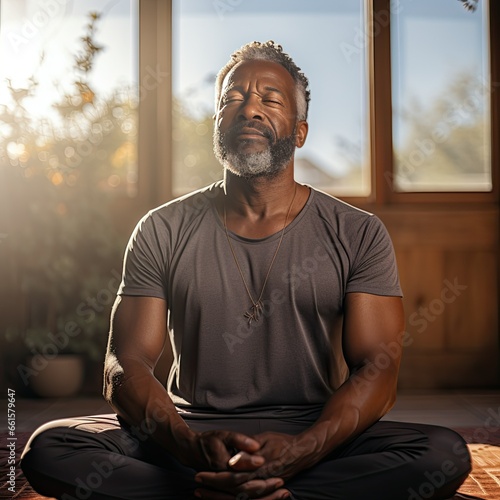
(98,458)
(389,461)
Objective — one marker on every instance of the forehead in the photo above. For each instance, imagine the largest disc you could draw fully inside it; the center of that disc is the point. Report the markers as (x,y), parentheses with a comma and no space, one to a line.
(260,72)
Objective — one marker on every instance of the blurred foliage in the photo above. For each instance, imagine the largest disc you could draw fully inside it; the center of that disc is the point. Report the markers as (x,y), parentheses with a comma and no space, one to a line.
(60,176)
(194,164)
(447,140)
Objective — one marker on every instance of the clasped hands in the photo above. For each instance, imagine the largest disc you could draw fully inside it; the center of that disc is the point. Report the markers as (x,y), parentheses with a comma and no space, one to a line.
(257,469)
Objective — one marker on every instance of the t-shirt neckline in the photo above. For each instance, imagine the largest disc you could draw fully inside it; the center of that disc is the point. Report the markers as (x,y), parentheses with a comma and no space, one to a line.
(269,238)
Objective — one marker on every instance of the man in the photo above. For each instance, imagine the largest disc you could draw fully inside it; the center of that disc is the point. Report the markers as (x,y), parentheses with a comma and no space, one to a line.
(282,310)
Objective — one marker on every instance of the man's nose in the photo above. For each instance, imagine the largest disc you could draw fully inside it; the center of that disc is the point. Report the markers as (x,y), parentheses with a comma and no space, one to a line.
(250,109)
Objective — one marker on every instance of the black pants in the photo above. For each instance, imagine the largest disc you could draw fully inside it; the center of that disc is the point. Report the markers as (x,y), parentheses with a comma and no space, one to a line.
(99,458)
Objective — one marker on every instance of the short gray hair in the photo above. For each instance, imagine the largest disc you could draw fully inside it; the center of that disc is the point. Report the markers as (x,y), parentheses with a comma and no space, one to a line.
(269,51)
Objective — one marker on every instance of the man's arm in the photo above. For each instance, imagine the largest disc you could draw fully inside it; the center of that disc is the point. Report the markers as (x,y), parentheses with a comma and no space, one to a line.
(137,338)
(372,332)
(136,341)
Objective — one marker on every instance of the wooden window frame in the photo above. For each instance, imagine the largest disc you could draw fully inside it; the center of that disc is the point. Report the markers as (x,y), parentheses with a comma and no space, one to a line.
(381,119)
(155,122)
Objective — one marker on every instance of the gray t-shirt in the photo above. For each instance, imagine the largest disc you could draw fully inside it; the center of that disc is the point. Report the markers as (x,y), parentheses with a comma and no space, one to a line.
(290,361)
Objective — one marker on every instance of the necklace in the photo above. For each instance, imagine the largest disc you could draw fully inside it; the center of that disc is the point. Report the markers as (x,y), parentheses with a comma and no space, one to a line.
(255,310)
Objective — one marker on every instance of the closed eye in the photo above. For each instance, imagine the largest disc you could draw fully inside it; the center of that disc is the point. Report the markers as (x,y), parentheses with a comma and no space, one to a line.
(233,98)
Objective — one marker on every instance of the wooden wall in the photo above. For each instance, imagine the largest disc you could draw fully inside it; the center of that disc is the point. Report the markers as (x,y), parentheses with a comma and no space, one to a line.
(449,268)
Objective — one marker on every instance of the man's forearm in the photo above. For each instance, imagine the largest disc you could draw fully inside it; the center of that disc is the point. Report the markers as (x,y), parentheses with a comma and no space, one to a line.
(372,331)
(358,403)
(141,400)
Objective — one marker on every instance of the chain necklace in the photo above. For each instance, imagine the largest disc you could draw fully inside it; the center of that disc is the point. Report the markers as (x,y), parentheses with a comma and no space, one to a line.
(255,310)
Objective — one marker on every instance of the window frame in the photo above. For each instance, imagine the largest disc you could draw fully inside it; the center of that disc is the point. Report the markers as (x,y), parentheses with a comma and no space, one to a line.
(155,121)
(381,119)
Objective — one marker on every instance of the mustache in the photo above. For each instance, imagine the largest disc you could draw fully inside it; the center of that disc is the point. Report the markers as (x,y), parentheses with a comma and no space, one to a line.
(255,124)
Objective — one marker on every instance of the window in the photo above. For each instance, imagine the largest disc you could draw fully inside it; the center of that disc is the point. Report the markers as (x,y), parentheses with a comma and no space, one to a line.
(440,91)
(68,91)
(68,140)
(368,139)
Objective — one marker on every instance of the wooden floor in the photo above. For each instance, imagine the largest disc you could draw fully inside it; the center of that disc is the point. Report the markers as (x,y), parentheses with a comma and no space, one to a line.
(452,409)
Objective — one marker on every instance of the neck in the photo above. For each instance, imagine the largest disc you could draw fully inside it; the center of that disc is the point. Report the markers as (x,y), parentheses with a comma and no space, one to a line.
(260,197)
(259,207)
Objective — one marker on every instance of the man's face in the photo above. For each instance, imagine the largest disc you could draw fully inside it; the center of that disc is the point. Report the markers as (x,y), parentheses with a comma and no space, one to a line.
(256,119)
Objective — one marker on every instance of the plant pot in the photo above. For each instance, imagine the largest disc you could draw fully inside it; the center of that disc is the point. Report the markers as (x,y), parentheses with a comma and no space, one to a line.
(59,377)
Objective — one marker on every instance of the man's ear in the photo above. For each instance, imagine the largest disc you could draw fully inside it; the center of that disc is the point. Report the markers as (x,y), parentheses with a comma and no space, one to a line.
(301,133)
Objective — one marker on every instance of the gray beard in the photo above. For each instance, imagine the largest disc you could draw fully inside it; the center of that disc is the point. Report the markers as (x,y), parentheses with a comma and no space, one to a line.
(267,163)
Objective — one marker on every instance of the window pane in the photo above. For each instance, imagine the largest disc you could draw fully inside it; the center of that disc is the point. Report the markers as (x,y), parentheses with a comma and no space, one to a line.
(68,123)
(441,107)
(68,91)
(326,39)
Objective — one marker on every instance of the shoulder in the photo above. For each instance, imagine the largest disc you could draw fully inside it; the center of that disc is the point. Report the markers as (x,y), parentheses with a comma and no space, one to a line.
(357,230)
(189,205)
(181,211)
(340,213)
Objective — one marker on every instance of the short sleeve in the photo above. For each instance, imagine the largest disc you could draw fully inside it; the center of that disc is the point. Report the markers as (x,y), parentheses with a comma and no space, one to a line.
(144,267)
(374,269)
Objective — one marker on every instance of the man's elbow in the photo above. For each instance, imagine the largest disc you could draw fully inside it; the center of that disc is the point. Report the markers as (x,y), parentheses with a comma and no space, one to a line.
(113,375)
(391,401)
(391,393)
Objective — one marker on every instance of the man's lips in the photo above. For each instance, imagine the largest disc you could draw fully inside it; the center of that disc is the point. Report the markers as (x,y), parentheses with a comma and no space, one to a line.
(250,132)
(247,136)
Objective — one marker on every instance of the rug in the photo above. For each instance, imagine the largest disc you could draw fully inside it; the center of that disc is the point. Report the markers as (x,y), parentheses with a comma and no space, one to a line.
(483,483)
(22,489)
(484,480)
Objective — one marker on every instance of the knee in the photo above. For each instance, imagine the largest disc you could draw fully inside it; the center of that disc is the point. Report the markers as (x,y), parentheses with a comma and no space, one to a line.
(451,452)
(39,460)
(41,452)
(444,466)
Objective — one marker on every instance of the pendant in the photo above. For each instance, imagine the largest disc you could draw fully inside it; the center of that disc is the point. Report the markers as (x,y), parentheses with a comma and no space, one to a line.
(254,313)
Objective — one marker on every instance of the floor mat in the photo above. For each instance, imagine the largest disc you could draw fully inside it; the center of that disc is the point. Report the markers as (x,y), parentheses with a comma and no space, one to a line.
(484,480)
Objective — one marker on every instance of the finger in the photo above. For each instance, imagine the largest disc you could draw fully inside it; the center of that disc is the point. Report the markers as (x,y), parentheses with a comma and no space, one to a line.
(273,468)
(278,495)
(275,495)
(224,481)
(241,482)
(205,494)
(244,461)
(212,495)
(241,442)
(258,488)
(215,452)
